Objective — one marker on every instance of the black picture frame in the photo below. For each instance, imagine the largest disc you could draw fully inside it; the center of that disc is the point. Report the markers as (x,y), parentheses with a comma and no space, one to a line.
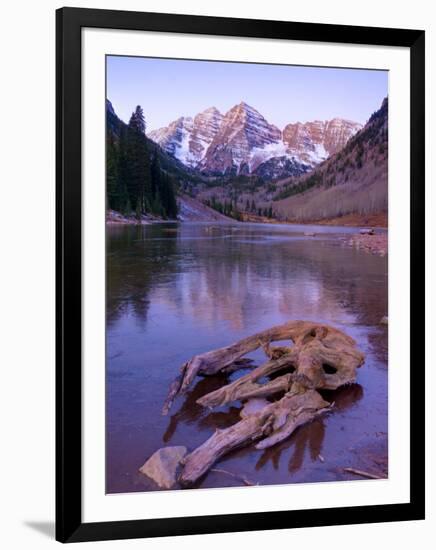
(69,525)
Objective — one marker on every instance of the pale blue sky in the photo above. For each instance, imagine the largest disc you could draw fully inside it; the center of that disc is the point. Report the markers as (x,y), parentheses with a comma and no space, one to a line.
(169,88)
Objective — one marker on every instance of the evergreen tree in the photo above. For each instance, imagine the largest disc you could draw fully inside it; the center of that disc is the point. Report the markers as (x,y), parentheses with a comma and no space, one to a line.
(122,200)
(138,185)
(155,178)
(137,120)
(111,172)
(171,202)
(156,205)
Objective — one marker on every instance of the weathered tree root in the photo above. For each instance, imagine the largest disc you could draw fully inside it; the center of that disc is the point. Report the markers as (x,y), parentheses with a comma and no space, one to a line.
(321,354)
(274,423)
(320,357)
(313,364)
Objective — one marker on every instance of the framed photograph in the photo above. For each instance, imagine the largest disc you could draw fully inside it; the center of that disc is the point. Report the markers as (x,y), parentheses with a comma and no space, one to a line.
(240,274)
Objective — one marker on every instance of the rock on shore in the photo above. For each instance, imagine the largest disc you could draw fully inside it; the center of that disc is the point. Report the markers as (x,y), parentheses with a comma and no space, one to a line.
(163,465)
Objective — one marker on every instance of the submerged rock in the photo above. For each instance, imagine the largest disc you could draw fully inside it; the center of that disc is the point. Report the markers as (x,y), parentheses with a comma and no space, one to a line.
(163,465)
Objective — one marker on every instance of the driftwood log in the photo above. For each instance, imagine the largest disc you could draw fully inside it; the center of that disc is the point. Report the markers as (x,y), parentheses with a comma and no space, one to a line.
(319,357)
(272,424)
(323,355)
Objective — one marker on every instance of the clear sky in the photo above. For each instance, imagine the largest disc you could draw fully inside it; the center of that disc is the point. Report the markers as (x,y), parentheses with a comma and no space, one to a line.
(169,88)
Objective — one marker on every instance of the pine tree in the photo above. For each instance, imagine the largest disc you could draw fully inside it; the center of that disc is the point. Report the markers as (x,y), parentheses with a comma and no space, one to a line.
(172,209)
(138,185)
(155,173)
(156,205)
(137,120)
(111,172)
(122,202)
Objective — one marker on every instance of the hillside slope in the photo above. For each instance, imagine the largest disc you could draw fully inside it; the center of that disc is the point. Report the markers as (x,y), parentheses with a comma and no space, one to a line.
(354,180)
(191,210)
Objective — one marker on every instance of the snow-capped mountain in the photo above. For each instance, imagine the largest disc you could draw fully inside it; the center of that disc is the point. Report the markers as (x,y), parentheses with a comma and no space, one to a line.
(188,138)
(243,131)
(243,142)
(317,140)
(279,167)
(353,180)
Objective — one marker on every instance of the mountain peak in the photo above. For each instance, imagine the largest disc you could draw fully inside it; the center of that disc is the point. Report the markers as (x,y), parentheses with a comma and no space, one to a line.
(212,109)
(245,107)
(358,171)
(242,139)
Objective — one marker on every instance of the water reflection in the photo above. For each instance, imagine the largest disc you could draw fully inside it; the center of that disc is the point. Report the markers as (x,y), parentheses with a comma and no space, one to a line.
(311,436)
(230,278)
(191,412)
(177,290)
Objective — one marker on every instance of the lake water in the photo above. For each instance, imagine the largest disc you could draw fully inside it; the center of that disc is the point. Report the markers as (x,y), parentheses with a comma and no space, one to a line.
(176,290)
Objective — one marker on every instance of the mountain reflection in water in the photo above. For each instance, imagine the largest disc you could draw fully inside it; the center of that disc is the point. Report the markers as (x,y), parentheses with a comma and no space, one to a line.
(175,290)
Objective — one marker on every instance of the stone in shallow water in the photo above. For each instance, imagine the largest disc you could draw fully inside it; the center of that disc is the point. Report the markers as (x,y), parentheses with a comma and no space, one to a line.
(162,466)
(252,406)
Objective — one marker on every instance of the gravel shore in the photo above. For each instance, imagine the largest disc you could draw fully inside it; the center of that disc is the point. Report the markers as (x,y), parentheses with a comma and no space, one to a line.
(376,244)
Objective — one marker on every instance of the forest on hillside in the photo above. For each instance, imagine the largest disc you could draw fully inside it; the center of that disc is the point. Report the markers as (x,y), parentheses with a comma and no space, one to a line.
(354,180)
(136,182)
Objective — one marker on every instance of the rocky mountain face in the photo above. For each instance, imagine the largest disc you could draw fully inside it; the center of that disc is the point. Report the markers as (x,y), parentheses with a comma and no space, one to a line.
(243,131)
(315,141)
(352,180)
(275,167)
(206,126)
(243,142)
(188,138)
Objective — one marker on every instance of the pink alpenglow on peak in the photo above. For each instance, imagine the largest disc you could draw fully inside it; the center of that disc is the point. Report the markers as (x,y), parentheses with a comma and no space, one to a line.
(242,141)
(188,138)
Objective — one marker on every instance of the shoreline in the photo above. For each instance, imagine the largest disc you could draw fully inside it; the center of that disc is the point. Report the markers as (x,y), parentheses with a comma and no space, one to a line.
(374,244)
(116,218)
(379,221)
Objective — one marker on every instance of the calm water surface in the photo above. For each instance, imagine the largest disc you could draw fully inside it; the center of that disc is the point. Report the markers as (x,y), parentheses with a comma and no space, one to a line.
(176,290)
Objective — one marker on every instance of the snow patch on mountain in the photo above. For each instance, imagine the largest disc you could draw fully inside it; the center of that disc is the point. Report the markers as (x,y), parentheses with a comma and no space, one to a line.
(318,154)
(261,154)
(242,140)
(182,152)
